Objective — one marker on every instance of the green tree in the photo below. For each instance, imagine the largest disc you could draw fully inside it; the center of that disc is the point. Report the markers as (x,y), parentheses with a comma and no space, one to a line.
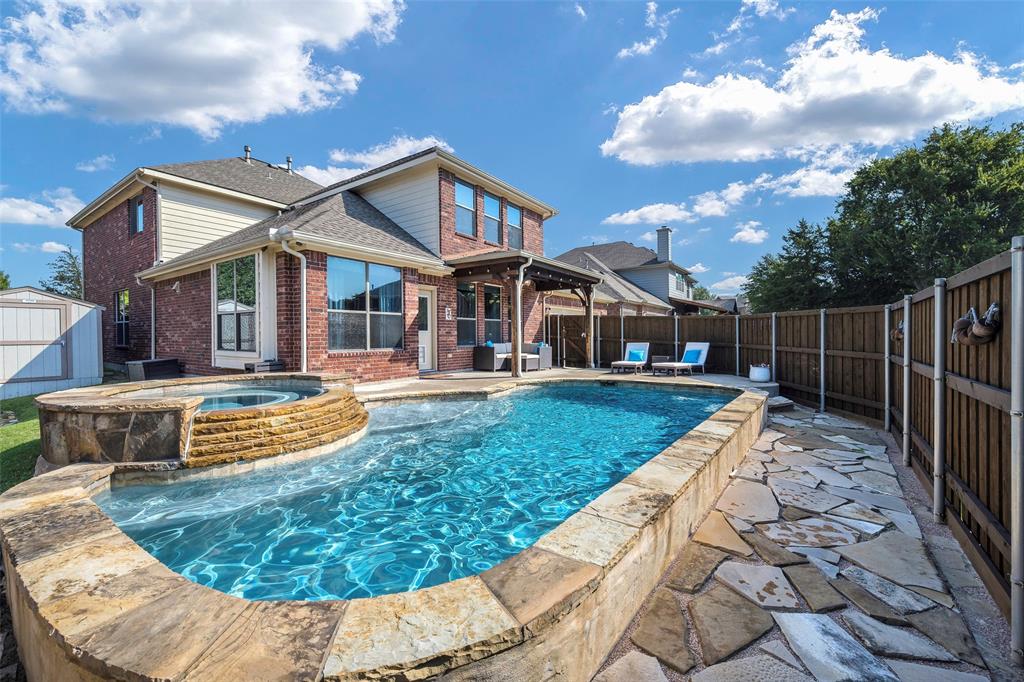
(65,275)
(798,278)
(702,293)
(5,280)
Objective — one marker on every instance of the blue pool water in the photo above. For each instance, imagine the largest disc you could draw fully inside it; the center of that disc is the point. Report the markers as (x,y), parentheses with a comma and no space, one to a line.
(436,491)
(234,398)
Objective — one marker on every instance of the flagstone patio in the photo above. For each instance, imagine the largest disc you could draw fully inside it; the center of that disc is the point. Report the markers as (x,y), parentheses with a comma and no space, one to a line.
(813,565)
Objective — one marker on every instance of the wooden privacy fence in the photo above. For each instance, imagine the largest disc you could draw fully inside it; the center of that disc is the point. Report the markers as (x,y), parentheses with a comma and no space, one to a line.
(963,403)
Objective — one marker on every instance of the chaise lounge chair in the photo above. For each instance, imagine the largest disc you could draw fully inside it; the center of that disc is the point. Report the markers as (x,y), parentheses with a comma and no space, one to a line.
(636,358)
(694,355)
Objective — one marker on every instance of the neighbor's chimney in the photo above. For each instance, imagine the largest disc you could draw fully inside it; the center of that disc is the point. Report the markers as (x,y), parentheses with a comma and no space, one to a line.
(664,244)
(288,164)
(248,153)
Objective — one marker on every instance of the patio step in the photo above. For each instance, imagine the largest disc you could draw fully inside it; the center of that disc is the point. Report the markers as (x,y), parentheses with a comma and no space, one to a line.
(780,404)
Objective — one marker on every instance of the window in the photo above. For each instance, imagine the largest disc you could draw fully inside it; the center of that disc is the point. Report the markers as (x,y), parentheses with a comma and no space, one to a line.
(364,305)
(465,209)
(492,314)
(680,283)
(121,318)
(136,215)
(492,219)
(515,226)
(236,304)
(465,314)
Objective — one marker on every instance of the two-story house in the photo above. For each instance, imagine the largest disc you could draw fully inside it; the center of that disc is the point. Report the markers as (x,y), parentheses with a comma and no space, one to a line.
(638,280)
(400,269)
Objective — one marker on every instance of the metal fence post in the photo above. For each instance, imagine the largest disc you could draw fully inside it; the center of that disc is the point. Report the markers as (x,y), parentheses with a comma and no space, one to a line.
(599,342)
(560,348)
(908,301)
(775,319)
(887,368)
(821,363)
(675,337)
(939,394)
(622,335)
(737,345)
(1017,450)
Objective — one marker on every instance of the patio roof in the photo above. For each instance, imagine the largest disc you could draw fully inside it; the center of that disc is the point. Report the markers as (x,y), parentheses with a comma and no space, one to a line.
(546,274)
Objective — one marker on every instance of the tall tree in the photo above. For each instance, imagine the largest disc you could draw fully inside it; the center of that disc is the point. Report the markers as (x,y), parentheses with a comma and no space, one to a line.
(797,278)
(65,275)
(5,280)
(701,293)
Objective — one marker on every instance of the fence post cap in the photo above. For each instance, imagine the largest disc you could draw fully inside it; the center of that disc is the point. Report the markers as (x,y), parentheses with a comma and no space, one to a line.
(1017,244)
(940,281)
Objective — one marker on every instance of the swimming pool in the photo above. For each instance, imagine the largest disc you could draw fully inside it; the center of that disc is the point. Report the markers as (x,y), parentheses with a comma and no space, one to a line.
(235,398)
(436,491)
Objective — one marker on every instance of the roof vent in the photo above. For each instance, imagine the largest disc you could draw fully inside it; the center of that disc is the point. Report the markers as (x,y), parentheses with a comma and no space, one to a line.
(288,164)
(248,153)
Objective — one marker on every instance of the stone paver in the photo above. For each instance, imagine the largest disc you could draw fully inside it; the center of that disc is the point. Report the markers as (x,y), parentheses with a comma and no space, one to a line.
(867,602)
(855,510)
(828,651)
(917,672)
(947,629)
(892,641)
(662,632)
(726,622)
(633,667)
(898,557)
(796,495)
(772,553)
(750,669)
(898,598)
(812,586)
(765,586)
(818,553)
(812,532)
(696,563)
(752,502)
(863,527)
(883,483)
(716,532)
(777,649)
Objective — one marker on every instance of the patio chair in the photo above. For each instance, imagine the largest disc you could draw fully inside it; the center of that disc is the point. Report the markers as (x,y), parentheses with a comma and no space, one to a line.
(636,358)
(694,355)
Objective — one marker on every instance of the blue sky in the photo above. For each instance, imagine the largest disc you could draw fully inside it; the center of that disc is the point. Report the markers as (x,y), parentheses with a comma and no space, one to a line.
(728,121)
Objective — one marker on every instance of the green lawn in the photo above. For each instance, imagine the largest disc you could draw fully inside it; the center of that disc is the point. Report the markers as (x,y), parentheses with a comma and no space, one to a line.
(19,443)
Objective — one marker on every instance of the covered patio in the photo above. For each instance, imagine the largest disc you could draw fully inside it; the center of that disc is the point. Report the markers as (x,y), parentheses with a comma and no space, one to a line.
(516,268)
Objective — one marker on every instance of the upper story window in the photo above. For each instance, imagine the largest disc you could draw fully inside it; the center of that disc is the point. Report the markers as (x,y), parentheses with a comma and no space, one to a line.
(465,209)
(236,304)
(492,313)
(515,226)
(680,283)
(492,218)
(121,317)
(136,215)
(364,305)
(465,314)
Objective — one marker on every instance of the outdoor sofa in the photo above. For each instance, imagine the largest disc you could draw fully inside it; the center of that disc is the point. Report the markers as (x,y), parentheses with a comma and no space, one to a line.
(499,356)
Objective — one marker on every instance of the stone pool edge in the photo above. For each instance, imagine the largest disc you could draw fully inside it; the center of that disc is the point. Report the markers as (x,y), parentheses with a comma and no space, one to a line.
(85,595)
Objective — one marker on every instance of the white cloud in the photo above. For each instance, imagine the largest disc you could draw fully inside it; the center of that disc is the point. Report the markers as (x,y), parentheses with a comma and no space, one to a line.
(649,237)
(833,91)
(99,163)
(652,214)
(733,32)
(748,233)
(698,268)
(580,12)
(201,64)
(690,72)
(45,247)
(359,161)
(652,20)
(52,209)
(730,285)
(703,230)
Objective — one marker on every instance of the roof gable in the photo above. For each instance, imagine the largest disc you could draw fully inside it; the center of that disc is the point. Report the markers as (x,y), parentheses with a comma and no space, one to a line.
(616,255)
(254,177)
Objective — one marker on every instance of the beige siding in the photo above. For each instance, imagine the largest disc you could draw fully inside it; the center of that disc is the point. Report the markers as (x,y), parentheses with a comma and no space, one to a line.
(190,219)
(412,201)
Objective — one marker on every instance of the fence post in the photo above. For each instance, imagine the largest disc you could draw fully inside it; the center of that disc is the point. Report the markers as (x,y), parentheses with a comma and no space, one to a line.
(599,342)
(887,311)
(1017,450)
(675,337)
(622,335)
(560,348)
(821,363)
(939,394)
(908,301)
(775,318)
(737,344)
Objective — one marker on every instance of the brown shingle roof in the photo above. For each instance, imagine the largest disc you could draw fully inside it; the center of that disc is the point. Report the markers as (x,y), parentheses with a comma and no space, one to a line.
(258,178)
(616,255)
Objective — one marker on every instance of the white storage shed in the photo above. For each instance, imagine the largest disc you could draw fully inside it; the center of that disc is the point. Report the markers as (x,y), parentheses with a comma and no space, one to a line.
(48,342)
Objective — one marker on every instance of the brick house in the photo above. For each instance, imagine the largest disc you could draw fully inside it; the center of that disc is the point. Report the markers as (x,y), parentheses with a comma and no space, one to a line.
(398,270)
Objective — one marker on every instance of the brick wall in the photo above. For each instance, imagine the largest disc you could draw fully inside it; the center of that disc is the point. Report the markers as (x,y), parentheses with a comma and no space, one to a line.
(183,320)
(111,256)
(455,244)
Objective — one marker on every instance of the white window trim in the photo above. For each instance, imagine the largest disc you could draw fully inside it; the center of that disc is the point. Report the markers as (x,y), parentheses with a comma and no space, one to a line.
(475,318)
(499,319)
(470,208)
(235,359)
(496,218)
(367,312)
(509,226)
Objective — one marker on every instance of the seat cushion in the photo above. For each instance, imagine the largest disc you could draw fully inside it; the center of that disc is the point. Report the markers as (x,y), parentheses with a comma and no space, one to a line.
(692,356)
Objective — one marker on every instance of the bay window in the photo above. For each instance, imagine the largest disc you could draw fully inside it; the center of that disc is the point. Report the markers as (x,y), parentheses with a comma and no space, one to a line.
(492,313)
(465,209)
(492,218)
(364,305)
(236,304)
(465,314)
(515,226)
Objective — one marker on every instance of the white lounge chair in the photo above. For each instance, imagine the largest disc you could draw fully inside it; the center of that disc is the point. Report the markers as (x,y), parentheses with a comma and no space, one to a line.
(694,355)
(635,359)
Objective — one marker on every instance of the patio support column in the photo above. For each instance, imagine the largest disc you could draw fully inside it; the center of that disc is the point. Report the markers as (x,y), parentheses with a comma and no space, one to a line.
(1017,450)
(588,291)
(775,321)
(887,368)
(907,362)
(737,344)
(939,395)
(821,364)
(598,320)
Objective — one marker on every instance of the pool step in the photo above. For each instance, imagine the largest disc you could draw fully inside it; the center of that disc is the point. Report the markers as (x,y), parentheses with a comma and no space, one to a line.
(205,425)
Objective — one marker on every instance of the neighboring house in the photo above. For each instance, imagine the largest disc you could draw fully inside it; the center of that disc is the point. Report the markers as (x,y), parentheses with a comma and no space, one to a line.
(637,280)
(403,268)
(737,304)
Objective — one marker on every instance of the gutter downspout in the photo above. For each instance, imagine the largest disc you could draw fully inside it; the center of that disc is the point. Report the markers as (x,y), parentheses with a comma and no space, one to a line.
(517,349)
(159,259)
(280,236)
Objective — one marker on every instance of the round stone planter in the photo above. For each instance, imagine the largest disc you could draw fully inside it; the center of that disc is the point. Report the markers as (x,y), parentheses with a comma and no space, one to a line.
(760,373)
